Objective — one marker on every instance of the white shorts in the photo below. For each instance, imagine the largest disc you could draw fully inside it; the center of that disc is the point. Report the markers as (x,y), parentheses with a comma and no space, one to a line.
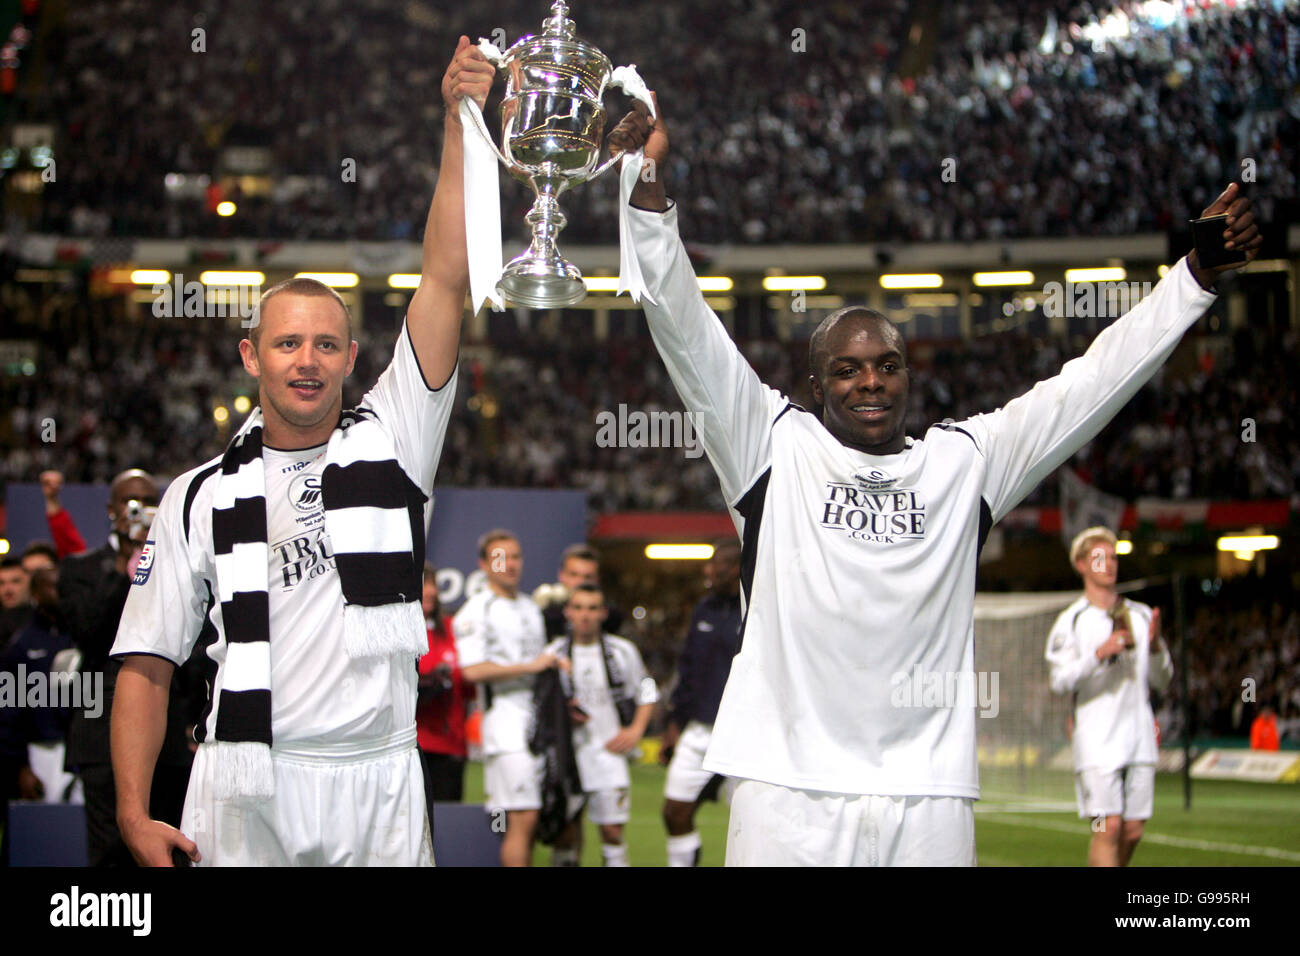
(687,777)
(46,761)
(608,807)
(1129,792)
(334,805)
(513,781)
(776,826)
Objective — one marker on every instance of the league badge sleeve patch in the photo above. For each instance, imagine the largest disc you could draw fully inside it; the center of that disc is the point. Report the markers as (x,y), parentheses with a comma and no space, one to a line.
(143,564)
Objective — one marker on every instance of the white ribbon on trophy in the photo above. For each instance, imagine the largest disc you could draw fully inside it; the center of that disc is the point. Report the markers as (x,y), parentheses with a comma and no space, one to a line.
(483,196)
(482,200)
(630,279)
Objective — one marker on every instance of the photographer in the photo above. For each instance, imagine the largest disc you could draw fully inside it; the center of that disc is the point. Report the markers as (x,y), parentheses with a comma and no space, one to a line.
(92,590)
(579,564)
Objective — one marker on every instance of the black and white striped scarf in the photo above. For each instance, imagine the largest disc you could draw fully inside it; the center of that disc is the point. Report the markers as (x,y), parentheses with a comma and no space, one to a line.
(374,515)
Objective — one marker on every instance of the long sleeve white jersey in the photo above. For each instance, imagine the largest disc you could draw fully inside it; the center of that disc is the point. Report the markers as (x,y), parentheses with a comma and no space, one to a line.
(1113,723)
(859,569)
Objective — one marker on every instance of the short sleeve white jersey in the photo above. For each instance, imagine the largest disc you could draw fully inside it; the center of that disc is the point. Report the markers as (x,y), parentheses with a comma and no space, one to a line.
(501,630)
(318,693)
(598,768)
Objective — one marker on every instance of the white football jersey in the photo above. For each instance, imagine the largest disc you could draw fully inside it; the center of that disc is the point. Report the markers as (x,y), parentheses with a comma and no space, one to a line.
(1113,723)
(489,627)
(857,569)
(598,768)
(318,693)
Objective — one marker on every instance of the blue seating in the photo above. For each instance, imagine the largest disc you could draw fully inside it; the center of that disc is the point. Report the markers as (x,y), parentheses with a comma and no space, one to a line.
(463,836)
(47,834)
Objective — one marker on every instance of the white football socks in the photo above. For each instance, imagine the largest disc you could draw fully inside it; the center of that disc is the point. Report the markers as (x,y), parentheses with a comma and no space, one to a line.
(684,850)
(615,854)
(564,857)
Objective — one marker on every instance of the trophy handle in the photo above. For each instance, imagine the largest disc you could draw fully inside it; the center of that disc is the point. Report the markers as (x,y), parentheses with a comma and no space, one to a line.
(476,120)
(606,164)
(627,79)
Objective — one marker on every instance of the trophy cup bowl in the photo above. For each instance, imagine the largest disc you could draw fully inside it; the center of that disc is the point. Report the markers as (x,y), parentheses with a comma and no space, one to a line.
(552,132)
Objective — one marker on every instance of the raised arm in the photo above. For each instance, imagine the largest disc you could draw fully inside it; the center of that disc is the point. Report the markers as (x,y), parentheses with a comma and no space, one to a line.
(732,409)
(436,308)
(1032,435)
(67,539)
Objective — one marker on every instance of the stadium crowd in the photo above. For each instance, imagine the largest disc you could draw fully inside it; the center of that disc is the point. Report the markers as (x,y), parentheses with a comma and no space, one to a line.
(119,392)
(1243,654)
(784,132)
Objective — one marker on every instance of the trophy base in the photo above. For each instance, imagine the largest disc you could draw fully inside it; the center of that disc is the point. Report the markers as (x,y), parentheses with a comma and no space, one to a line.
(542,285)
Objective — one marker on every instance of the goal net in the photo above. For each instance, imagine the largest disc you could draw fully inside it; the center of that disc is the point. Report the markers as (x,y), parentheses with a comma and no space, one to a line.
(1024,748)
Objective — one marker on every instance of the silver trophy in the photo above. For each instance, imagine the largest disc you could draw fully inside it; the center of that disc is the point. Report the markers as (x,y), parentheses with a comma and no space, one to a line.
(552,130)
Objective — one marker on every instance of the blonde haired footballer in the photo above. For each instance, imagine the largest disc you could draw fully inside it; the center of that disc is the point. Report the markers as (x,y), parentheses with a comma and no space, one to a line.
(1106,650)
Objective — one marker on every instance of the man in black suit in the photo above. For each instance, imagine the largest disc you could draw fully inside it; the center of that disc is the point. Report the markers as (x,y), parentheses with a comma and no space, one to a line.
(92,590)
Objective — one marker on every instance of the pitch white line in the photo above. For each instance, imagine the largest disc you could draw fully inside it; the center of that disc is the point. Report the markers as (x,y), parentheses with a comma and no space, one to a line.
(1019,803)
(1181,842)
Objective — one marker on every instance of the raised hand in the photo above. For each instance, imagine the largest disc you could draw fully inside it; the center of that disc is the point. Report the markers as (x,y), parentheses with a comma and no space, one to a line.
(635,131)
(51,485)
(1241,233)
(470,73)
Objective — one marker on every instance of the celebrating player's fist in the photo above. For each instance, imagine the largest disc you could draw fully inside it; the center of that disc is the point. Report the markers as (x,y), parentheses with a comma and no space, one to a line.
(636,131)
(469,74)
(1241,233)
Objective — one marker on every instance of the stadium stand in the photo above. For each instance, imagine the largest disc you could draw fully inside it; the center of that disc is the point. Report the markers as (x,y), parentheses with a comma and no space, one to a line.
(1117,134)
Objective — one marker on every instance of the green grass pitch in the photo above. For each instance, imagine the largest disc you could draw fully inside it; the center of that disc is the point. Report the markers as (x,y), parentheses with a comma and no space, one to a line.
(1230,824)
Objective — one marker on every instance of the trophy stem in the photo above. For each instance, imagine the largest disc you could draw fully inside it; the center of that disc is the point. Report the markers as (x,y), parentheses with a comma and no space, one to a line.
(540,277)
(547,219)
